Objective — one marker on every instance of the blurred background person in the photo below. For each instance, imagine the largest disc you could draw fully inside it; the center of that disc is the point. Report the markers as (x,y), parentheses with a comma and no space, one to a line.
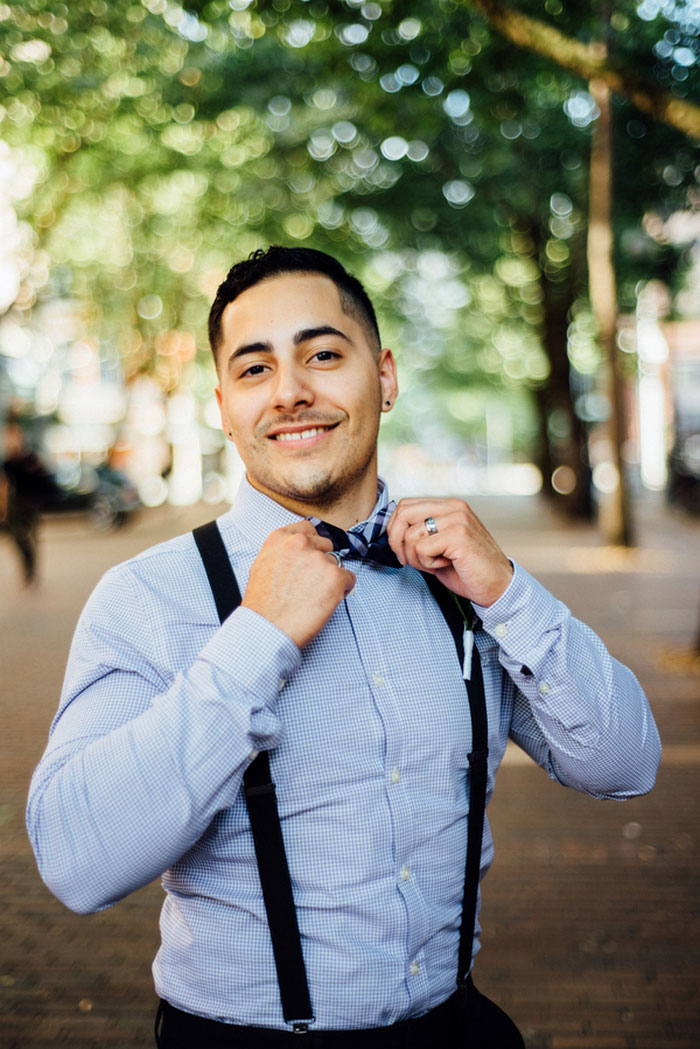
(24,485)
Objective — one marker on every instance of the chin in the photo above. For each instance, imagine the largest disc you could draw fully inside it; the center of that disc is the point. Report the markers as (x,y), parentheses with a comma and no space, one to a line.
(319,493)
(318,489)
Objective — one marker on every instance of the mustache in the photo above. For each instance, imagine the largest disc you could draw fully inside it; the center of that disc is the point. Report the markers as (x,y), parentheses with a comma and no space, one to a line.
(311,418)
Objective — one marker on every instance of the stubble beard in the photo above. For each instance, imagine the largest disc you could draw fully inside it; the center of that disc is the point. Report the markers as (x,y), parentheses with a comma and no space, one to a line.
(321,487)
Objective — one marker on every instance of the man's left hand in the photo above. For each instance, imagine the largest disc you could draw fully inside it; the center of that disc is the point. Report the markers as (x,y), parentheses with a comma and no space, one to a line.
(461,553)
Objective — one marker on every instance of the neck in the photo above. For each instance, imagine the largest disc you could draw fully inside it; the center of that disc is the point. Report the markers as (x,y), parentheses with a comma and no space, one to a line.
(343,511)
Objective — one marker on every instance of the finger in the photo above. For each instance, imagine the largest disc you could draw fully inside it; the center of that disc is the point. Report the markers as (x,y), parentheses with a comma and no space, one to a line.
(413,511)
(447,523)
(397,529)
(350,580)
(415,554)
(395,538)
(303,527)
(306,529)
(408,520)
(416,533)
(422,556)
(349,577)
(432,564)
(423,550)
(409,553)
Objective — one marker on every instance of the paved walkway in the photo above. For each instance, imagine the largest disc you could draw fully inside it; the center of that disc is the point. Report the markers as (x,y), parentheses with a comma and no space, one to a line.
(591,909)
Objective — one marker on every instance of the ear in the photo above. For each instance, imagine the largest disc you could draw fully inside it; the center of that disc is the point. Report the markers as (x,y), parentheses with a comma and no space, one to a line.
(387,379)
(225,424)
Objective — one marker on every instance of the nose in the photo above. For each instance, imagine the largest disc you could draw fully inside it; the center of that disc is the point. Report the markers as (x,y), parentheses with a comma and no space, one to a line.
(292,389)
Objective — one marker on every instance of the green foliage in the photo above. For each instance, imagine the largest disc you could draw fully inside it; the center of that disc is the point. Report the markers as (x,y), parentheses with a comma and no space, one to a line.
(443,165)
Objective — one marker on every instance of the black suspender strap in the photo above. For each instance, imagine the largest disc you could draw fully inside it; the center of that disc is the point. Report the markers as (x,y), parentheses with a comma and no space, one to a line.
(457,613)
(262,804)
(264,817)
(222,581)
(478,769)
(277,893)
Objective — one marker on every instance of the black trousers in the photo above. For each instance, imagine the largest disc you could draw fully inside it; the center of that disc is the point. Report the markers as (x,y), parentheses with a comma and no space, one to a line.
(467,1020)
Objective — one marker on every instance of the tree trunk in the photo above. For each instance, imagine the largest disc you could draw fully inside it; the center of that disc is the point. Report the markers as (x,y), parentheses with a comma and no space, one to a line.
(568,448)
(545,462)
(617,516)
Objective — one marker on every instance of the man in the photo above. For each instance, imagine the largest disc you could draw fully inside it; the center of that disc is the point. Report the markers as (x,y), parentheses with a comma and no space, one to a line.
(26,487)
(344,671)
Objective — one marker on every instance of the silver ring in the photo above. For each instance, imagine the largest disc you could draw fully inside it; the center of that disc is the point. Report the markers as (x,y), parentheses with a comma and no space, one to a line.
(336,557)
(430,526)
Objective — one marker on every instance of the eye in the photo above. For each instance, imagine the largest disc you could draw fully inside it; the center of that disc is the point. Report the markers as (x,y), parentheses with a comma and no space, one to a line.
(326,355)
(254,369)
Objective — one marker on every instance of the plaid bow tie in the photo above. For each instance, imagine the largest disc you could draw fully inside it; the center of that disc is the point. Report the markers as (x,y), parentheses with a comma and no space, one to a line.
(367,540)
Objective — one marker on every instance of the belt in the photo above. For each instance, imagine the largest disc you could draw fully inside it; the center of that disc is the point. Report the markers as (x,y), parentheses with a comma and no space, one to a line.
(178,1028)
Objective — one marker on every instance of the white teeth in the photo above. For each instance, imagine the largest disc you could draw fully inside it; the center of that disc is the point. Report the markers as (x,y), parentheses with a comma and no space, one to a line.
(300,436)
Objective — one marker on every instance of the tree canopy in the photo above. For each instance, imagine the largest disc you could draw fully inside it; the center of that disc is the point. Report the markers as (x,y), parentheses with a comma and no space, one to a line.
(154,143)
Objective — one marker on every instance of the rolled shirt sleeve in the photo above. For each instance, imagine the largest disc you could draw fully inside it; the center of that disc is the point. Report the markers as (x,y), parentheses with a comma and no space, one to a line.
(138,765)
(578,712)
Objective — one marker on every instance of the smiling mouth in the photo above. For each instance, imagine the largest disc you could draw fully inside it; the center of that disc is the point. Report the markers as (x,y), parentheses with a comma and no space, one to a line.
(301,435)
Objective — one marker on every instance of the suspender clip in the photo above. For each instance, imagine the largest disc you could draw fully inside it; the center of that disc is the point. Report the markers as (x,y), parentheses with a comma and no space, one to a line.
(300,1026)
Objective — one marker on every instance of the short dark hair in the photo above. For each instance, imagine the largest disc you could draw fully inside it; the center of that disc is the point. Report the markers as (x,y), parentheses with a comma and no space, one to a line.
(277,260)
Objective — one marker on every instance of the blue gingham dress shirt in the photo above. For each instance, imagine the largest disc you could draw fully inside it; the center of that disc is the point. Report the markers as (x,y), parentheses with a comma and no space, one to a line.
(368,727)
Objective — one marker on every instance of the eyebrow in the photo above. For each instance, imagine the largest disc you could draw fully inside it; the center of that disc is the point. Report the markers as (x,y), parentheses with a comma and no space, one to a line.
(304,335)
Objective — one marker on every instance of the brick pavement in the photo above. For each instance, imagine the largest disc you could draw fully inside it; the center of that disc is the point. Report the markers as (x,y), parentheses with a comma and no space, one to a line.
(591,909)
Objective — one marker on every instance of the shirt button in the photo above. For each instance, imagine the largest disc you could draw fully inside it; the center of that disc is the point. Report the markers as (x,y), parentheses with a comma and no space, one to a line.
(283,682)
(378,679)
(501,629)
(405,873)
(415,968)
(395,775)
(544,688)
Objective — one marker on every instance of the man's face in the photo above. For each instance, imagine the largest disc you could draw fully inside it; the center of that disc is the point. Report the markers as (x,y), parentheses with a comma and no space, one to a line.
(301,392)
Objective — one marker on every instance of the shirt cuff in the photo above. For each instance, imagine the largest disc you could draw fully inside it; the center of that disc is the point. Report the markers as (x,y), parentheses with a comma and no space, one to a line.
(523,614)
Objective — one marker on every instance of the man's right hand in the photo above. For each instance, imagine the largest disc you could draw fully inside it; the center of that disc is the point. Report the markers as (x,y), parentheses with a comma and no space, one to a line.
(295,584)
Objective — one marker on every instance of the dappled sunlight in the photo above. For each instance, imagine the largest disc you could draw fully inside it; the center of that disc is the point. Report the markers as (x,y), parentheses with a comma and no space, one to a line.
(679,660)
(614,559)
(601,560)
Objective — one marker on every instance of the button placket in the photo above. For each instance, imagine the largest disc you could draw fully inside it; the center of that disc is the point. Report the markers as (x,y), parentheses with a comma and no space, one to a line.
(390,707)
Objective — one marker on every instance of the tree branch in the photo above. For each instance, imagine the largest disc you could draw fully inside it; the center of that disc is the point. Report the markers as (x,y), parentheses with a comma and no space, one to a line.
(589,62)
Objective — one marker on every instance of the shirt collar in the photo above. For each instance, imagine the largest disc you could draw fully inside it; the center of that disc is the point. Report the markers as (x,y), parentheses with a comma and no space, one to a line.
(381,504)
(255,515)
